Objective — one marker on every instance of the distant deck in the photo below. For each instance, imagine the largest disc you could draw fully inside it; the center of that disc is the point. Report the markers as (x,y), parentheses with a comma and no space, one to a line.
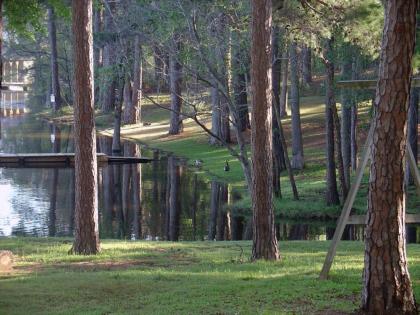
(61,160)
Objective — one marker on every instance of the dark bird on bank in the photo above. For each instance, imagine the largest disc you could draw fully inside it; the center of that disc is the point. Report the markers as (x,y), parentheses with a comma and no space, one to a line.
(227,167)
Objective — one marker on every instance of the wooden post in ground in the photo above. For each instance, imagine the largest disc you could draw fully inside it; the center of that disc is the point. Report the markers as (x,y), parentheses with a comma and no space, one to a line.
(345,213)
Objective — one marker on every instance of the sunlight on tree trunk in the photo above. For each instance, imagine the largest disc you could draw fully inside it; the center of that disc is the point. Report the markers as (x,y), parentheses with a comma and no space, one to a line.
(86,233)
(386,282)
(264,234)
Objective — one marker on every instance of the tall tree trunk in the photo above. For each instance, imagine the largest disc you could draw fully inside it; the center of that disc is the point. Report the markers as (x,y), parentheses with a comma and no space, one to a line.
(108,181)
(328,57)
(86,233)
(194,206)
(214,209)
(331,195)
(128,104)
(353,120)
(137,195)
(278,154)
(285,153)
(175,76)
(307,65)
(222,218)
(412,133)
(132,96)
(387,286)
(109,81)
(125,188)
(346,113)
(116,136)
(174,202)
(225,121)
(98,20)
(297,143)
(215,115)
(137,83)
(264,243)
(239,87)
(284,75)
(54,62)
(161,69)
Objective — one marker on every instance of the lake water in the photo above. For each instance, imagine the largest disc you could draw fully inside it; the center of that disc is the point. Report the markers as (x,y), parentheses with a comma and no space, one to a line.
(162,200)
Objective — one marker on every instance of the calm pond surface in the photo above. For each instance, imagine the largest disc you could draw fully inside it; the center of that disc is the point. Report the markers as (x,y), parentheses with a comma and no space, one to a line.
(162,200)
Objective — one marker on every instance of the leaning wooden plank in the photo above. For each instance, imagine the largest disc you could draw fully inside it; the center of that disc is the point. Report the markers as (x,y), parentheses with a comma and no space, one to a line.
(342,220)
(413,168)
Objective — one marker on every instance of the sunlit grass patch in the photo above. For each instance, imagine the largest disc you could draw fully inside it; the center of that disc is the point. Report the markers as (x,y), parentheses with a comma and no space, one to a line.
(183,278)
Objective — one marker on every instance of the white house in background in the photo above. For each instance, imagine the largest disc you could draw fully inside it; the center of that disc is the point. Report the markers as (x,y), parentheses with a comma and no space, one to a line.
(17,71)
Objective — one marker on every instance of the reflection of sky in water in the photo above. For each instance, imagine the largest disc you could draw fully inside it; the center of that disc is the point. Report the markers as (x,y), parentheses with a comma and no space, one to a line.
(22,209)
(22,206)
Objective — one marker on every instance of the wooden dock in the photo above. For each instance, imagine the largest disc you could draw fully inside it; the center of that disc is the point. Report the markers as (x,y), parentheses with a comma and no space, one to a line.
(61,160)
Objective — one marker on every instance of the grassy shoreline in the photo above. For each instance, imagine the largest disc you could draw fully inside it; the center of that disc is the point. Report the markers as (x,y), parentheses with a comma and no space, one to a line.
(182,278)
(193,145)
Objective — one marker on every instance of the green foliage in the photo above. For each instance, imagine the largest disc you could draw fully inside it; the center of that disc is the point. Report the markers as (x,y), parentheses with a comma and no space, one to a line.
(358,22)
(61,8)
(23,16)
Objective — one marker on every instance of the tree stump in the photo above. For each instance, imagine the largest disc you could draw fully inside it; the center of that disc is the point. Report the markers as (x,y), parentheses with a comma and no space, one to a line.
(6,260)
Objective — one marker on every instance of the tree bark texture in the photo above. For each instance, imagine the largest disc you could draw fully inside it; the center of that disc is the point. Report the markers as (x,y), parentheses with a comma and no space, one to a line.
(175,75)
(412,132)
(86,234)
(264,234)
(297,143)
(55,80)
(387,286)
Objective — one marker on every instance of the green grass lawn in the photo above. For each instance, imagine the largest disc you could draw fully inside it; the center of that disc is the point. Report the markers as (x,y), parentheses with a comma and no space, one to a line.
(182,278)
